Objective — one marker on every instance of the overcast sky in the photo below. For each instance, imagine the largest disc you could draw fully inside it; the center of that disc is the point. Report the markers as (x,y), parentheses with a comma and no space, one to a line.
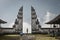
(45,10)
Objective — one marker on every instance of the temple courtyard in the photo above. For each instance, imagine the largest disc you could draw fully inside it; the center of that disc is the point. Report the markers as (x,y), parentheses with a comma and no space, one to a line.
(28,37)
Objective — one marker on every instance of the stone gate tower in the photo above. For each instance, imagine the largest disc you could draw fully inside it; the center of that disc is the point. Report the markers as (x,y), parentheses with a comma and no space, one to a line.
(19,21)
(35,25)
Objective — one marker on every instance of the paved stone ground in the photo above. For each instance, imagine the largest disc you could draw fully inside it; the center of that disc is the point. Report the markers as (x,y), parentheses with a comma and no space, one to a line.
(27,37)
(37,37)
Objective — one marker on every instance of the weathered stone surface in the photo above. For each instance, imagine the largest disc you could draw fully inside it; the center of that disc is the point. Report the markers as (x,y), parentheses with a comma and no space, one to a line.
(19,23)
(34,21)
(28,37)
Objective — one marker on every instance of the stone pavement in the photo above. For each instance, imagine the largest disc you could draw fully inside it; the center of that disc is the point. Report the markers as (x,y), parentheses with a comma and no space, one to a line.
(27,37)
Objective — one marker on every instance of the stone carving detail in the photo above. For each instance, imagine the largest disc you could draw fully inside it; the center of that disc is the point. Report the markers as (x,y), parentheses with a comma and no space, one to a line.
(19,21)
(34,21)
